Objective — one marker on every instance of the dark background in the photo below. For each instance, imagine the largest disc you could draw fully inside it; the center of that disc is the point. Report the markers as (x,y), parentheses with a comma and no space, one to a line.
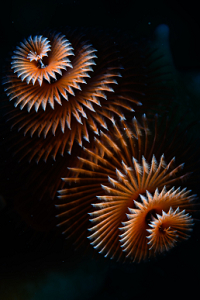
(31,271)
(20,19)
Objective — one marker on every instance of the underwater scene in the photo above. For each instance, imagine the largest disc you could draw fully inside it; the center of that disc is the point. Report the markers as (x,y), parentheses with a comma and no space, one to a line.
(100,150)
